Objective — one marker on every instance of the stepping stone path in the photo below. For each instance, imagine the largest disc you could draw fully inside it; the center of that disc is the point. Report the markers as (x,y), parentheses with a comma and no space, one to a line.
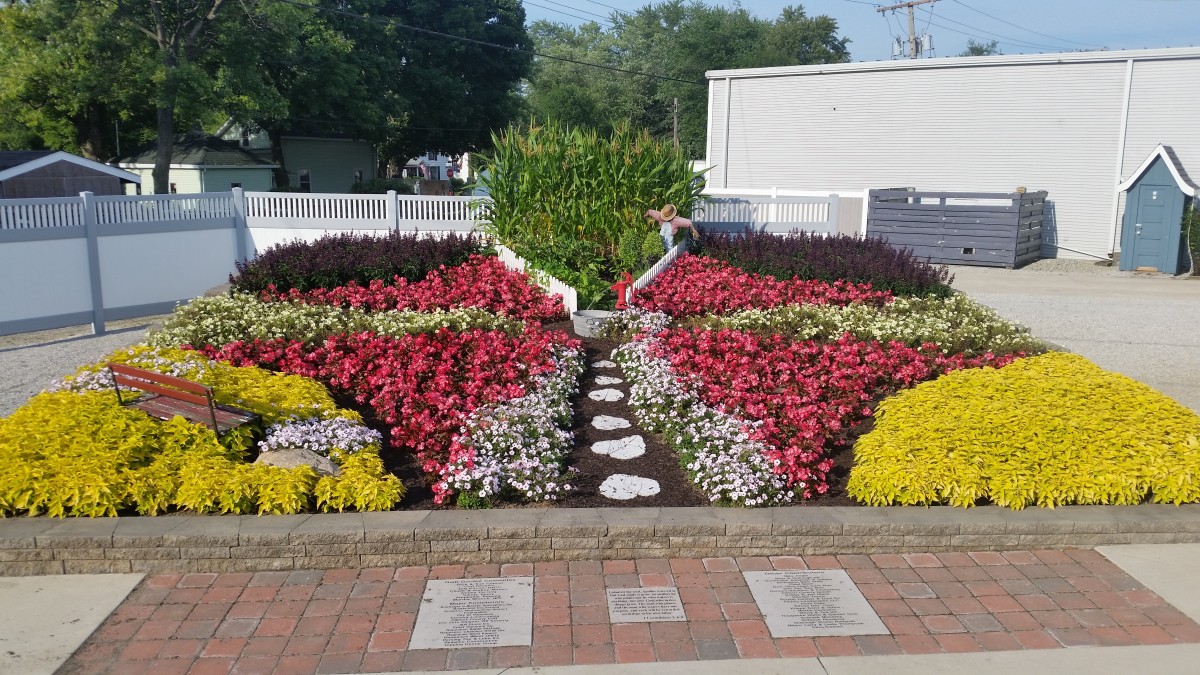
(622,448)
(623,486)
(606,423)
(618,486)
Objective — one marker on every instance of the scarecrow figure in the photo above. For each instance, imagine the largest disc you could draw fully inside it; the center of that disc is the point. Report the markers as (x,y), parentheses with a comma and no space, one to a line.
(671,222)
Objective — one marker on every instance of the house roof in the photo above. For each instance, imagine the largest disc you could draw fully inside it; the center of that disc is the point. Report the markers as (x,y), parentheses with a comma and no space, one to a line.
(15,163)
(961,62)
(1168,157)
(195,151)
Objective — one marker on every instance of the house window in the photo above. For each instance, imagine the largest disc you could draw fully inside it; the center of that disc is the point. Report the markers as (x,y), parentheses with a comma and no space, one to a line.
(435,173)
(245,138)
(305,180)
(174,189)
(358,175)
(234,185)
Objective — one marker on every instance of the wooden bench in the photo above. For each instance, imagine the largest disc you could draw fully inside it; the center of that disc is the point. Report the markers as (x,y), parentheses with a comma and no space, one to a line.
(172,396)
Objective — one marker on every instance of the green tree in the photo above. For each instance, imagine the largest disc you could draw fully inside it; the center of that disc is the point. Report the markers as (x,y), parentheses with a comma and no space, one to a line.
(184,35)
(677,41)
(981,48)
(446,94)
(69,73)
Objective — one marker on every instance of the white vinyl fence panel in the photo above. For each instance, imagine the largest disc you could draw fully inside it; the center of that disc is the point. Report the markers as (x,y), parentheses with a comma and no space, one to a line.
(426,212)
(291,210)
(23,214)
(163,208)
(553,286)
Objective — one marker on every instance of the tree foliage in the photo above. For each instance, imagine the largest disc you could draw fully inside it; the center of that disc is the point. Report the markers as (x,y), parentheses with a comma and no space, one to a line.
(69,74)
(358,68)
(674,40)
(976,48)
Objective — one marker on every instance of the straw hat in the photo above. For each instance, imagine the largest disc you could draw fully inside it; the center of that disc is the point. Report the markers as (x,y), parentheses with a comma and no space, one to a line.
(668,211)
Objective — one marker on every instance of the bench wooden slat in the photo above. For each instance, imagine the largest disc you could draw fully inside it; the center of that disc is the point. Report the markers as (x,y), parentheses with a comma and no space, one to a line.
(136,383)
(161,378)
(191,400)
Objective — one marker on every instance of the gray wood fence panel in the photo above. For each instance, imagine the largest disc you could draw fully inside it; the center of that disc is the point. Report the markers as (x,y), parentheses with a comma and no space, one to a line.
(1007,233)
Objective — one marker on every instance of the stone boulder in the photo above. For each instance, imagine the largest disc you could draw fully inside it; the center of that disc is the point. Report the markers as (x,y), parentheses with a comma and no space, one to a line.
(290,458)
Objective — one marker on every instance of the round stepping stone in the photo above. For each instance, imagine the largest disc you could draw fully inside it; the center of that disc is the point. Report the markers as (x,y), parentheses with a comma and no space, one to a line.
(606,423)
(621,448)
(604,364)
(605,395)
(604,380)
(624,486)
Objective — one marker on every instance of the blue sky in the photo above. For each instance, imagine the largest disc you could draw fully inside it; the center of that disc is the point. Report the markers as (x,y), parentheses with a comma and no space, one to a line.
(1057,25)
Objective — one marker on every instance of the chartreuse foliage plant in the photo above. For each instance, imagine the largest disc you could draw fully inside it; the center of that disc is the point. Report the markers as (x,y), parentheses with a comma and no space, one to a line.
(1048,430)
(75,452)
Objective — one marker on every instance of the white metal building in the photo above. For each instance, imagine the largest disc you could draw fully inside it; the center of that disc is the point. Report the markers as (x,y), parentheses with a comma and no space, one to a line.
(1073,124)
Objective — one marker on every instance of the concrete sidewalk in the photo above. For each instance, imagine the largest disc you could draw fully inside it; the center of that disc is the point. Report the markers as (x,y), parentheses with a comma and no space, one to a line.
(983,612)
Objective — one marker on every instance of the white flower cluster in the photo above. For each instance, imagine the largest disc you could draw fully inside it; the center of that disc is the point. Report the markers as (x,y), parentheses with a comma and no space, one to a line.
(626,324)
(335,437)
(955,324)
(223,319)
(519,445)
(716,447)
(96,377)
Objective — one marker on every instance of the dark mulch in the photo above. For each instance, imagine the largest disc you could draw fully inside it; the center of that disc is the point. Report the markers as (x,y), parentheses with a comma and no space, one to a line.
(659,463)
(590,469)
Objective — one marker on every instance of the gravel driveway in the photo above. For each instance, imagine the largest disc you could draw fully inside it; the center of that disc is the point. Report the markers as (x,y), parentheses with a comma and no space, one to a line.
(31,361)
(1144,326)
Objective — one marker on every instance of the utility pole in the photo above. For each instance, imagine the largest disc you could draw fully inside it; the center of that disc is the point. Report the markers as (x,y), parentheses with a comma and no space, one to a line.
(675,120)
(912,23)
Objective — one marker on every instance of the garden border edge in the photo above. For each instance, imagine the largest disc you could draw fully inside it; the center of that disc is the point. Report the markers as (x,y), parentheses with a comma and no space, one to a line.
(212,543)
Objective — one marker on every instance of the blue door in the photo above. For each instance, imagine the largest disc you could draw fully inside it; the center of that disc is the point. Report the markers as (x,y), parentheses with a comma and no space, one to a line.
(1153,214)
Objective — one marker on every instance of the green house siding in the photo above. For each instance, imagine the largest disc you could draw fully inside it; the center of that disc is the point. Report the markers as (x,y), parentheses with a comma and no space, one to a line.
(186,180)
(257,179)
(331,163)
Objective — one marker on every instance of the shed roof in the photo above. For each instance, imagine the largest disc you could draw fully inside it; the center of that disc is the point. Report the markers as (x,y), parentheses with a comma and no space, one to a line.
(15,163)
(1168,157)
(198,150)
(961,62)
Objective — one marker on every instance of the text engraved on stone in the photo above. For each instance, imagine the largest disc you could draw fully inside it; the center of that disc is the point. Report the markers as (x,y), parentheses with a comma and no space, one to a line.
(642,605)
(813,603)
(475,613)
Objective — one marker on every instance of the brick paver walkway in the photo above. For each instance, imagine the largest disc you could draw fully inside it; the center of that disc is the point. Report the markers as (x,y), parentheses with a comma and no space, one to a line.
(350,620)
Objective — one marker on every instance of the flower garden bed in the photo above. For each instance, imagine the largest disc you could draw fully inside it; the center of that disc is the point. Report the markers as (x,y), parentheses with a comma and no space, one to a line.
(460,388)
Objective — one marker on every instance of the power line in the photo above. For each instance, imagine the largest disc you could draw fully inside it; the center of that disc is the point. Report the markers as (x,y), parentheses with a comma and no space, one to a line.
(482,43)
(1029,30)
(603,20)
(1015,42)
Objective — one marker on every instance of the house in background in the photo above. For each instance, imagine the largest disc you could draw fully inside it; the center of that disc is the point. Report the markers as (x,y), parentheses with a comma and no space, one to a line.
(1075,125)
(28,174)
(203,163)
(329,164)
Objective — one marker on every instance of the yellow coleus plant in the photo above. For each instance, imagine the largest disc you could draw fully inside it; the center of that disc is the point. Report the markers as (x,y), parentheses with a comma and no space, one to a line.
(76,452)
(1048,430)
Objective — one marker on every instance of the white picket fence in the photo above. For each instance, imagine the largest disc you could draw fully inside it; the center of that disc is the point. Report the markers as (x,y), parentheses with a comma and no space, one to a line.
(70,261)
(163,208)
(511,260)
(25,214)
(419,212)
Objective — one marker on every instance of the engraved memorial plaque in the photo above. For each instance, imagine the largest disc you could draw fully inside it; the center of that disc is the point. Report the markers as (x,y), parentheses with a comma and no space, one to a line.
(644,605)
(475,613)
(813,603)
